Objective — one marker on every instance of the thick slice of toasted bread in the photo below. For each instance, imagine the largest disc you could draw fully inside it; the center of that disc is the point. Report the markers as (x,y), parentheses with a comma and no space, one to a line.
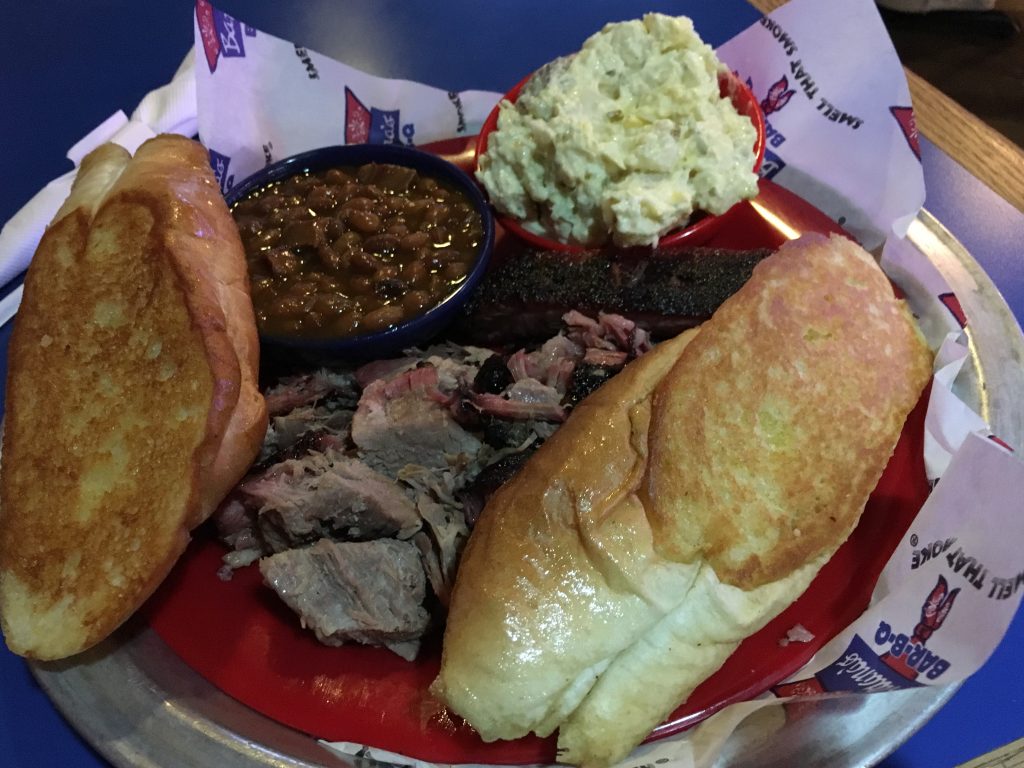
(131,396)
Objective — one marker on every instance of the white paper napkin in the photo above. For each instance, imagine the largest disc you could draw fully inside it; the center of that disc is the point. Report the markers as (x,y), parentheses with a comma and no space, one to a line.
(168,109)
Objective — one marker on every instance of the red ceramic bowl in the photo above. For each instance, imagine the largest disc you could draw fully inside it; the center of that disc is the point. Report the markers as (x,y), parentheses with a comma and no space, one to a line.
(698,231)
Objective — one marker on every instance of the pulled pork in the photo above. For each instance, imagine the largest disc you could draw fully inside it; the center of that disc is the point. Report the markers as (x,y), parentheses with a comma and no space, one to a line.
(370,479)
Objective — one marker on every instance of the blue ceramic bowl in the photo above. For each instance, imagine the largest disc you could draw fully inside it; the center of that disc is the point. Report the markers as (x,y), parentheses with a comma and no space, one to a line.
(415,330)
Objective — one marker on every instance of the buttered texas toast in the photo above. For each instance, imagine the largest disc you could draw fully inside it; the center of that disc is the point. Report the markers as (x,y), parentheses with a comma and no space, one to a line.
(132,405)
(682,506)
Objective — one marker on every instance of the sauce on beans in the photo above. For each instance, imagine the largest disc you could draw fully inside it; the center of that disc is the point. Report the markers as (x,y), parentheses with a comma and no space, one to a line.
(354,250)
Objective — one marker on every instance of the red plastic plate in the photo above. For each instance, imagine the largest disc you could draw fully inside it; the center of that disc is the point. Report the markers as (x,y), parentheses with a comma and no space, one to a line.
(241,638)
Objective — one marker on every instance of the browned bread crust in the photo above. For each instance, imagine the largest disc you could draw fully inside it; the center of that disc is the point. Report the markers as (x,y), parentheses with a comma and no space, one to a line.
(595,594)
(131,395)
(781,450)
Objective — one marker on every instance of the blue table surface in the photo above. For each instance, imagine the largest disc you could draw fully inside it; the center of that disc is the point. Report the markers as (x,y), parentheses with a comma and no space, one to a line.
(66,66)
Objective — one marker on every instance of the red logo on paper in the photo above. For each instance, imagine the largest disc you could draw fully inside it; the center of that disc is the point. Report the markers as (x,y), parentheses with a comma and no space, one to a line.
(777,97)
(372,125)
(357,120)
(905,117)
(933,612)
(952,303)
(208,32)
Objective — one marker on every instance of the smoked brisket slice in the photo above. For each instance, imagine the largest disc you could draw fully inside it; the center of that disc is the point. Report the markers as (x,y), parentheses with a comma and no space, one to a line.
(666,292)
(368,592)
(327,494)
(405,420)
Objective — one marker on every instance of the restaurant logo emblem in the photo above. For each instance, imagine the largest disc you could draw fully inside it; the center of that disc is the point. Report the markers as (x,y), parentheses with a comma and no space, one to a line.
(861,669)
(909,657)
(222,35)
(374,126)
(772,164)
(220,164)
(905,118)
(777,97)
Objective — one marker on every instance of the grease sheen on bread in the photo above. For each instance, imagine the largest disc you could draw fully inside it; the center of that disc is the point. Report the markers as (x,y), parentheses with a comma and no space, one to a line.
(682,506)
(132,405)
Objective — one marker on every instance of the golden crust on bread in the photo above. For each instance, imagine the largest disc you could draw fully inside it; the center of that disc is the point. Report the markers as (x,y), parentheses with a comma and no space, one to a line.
(576,608)
(97,173)
(527,589)
(131,375)
(203,246)
(784,413)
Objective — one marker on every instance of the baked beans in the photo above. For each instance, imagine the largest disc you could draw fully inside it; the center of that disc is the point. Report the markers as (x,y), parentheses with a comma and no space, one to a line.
(354,250)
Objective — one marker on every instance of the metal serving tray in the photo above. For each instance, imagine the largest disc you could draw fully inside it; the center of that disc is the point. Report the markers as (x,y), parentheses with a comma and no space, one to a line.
(138,704)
